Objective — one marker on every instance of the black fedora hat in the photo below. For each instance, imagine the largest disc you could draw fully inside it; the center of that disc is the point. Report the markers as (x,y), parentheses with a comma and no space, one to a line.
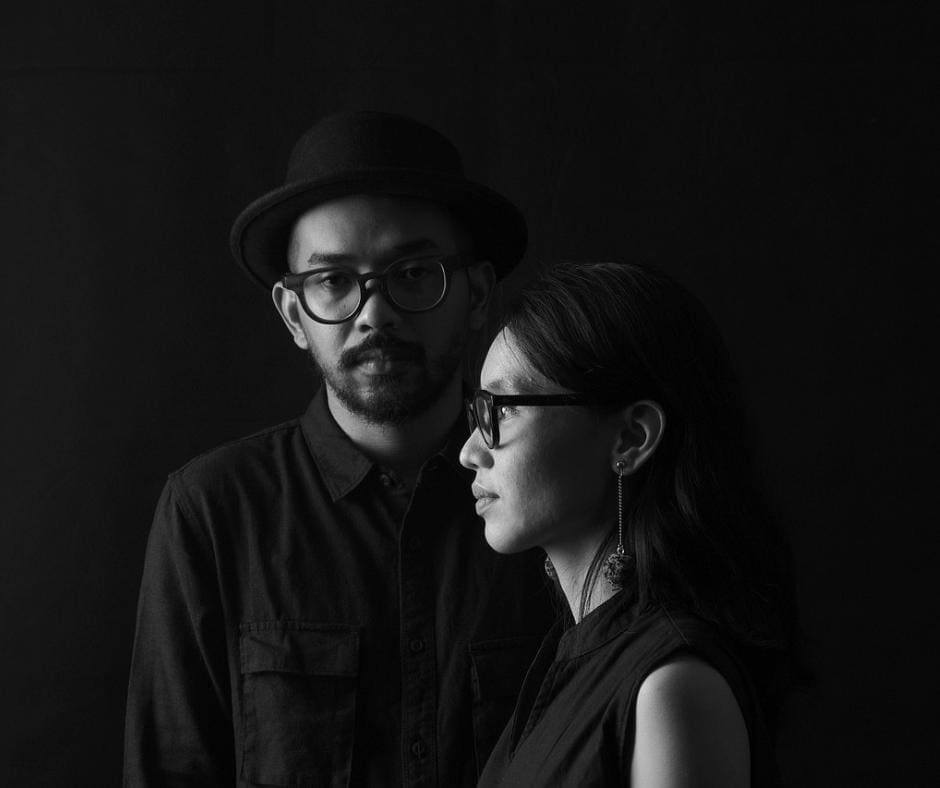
(373,153)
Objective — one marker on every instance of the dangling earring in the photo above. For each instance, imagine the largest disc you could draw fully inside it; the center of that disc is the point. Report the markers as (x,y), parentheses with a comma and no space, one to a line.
(550,568)
(618,563)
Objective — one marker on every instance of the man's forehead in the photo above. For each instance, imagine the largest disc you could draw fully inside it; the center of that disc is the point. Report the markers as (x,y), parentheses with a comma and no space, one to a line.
(370,225)
(358,211)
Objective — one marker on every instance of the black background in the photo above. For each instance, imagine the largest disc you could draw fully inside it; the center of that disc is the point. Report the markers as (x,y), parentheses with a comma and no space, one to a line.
(776,160)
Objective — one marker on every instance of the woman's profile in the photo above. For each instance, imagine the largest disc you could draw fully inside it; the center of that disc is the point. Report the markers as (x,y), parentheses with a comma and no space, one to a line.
(609,431)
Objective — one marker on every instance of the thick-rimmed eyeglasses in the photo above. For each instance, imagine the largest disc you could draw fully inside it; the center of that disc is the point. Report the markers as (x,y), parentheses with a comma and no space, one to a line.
(336,294)
(483,409)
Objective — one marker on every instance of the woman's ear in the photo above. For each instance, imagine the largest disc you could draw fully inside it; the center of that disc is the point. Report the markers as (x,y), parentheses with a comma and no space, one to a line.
(641,428)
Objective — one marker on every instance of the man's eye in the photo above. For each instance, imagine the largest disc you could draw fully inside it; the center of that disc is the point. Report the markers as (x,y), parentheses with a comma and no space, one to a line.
(503,412)
(414,271)
(333,281)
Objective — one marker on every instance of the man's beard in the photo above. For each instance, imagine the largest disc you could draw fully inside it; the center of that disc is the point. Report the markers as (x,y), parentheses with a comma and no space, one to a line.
(397,397)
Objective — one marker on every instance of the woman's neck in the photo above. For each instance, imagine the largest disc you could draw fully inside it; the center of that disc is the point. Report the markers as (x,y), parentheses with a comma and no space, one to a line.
(571,567)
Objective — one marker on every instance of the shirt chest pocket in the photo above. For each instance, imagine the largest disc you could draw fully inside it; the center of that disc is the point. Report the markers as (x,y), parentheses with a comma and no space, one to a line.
(497,669)
(299,683)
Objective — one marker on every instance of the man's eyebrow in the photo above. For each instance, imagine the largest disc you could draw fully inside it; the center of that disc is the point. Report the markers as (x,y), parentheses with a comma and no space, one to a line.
(398,251)
(415,245)
(330,258)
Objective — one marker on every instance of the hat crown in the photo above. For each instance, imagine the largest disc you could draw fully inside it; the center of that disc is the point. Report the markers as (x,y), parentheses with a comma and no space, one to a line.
(350,142)
(365,152)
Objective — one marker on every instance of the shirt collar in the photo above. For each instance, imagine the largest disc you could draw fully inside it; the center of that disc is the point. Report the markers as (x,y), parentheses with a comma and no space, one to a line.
(341,463)
(614,617)
(342,466)
(449,453)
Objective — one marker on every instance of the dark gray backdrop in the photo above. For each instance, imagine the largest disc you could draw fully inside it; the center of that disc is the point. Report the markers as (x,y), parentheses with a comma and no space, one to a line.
(776,161)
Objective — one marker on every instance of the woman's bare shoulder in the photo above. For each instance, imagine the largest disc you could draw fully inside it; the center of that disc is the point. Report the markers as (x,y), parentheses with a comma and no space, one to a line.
(689,729)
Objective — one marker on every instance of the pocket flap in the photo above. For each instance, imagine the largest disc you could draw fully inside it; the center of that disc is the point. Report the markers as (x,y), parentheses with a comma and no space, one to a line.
(300,647)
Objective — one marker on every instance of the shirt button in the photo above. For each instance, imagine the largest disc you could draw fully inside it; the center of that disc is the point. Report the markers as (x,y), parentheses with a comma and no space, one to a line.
(386,480)
(419,749)
(416,645)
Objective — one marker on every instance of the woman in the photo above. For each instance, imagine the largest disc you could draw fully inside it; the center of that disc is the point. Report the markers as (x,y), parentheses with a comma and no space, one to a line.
(609,431)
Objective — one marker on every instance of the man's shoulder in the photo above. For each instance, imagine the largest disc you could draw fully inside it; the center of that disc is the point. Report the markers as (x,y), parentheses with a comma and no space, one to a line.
(260,452)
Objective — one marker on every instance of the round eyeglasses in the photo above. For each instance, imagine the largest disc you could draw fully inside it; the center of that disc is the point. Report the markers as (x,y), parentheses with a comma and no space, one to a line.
(336,294)
(483,409)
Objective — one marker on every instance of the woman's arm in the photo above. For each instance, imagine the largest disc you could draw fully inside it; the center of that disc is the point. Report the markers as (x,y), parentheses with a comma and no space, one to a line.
(690,732)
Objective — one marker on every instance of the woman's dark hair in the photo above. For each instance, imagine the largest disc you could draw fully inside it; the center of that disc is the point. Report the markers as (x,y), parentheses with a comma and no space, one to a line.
(696,523)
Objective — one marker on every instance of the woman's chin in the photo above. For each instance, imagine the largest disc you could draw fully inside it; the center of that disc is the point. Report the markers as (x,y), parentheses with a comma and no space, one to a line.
(500,541)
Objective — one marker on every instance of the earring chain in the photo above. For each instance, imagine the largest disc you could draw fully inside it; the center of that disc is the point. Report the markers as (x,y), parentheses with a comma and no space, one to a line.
(621,465)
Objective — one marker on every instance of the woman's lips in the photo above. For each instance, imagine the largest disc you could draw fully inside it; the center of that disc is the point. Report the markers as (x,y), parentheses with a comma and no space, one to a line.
(484,497)
(484,503)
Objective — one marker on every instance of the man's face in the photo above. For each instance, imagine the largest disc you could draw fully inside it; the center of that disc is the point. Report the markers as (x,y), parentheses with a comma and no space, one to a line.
(384,365)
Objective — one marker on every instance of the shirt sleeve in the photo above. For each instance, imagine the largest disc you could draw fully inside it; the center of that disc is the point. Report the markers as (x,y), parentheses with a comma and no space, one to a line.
(178,729)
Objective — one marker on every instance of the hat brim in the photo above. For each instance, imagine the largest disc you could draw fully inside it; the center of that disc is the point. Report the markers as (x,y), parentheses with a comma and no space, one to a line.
(261,232)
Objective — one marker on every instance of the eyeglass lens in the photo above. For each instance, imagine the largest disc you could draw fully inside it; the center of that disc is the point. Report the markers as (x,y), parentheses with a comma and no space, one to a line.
(483,416)
(413,285)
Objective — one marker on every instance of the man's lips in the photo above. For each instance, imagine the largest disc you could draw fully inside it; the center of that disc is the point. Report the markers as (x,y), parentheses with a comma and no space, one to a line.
(383,364)
(381,356)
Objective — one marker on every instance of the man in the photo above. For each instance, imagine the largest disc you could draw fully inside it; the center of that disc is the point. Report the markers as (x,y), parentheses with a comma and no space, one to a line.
(318,604)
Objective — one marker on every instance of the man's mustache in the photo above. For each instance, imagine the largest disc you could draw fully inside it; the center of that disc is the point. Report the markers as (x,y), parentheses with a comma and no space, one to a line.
(383,345)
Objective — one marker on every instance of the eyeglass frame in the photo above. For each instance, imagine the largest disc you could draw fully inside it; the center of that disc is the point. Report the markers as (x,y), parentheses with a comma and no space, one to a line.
(494,401)
(448,263)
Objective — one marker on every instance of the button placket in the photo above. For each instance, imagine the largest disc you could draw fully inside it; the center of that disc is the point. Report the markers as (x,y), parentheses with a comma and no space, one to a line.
(419,670)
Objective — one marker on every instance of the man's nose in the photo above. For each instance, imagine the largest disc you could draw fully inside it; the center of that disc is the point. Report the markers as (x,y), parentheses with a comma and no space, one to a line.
(377,311)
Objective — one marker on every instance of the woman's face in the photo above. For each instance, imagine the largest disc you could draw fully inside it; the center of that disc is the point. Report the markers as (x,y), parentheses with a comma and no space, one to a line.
(550,481)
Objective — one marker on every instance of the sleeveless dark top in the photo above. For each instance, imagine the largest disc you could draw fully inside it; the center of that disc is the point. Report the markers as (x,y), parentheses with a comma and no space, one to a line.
(575,718)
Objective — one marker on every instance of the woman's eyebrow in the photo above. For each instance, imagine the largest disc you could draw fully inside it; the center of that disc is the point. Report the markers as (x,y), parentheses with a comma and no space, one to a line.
(511,384)
(498,386)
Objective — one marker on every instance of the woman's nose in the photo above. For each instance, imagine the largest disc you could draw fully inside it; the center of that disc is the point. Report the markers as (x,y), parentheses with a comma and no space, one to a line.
(473,453)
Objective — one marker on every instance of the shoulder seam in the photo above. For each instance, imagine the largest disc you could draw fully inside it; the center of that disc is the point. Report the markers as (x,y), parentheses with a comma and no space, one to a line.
(283,427)
(675,625)
(195,525)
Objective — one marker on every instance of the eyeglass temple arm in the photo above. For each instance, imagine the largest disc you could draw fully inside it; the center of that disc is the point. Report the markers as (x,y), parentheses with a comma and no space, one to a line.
(540,399)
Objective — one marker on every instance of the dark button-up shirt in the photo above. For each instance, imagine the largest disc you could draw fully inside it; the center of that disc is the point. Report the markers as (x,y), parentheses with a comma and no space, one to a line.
(307,619)
(575,720)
